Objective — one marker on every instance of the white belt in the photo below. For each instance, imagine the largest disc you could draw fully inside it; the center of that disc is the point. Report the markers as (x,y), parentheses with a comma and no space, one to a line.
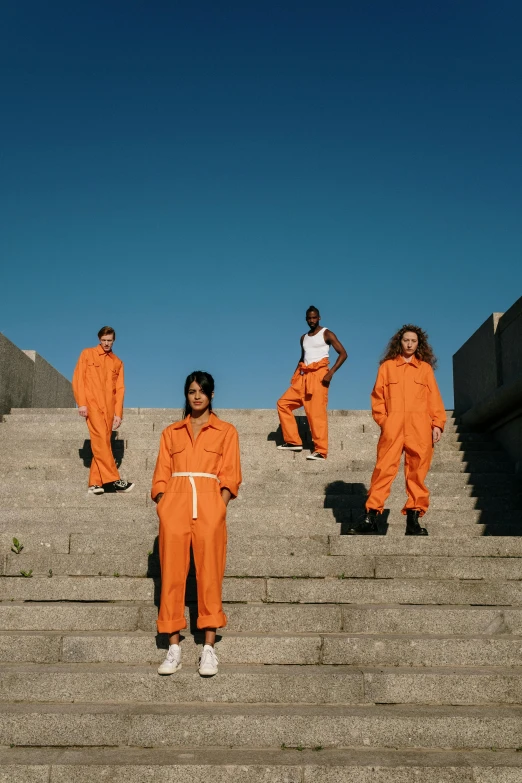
(191,477)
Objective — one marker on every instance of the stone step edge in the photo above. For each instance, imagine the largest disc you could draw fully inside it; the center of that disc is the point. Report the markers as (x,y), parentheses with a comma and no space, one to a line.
(323,670)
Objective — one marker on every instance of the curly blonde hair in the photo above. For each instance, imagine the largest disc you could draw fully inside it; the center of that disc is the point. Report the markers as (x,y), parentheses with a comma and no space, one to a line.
(424,350)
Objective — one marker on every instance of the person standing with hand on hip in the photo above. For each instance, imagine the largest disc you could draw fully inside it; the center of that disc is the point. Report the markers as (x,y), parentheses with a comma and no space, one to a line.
(407,406)
(98,389)
(309,387)
(197,473)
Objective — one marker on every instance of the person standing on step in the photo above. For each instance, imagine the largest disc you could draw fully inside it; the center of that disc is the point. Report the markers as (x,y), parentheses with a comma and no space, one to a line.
(98,390)
(309,387)
(407,406)
(197,472)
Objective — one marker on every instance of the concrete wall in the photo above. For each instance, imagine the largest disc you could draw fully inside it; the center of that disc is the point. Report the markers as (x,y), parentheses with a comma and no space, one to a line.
(487,379)
(28,381)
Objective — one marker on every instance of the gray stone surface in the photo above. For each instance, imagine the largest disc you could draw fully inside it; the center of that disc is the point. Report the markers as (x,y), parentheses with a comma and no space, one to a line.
(26,379)
(432,620)
(488,378)
(436,621)
(408,591)
(140,684)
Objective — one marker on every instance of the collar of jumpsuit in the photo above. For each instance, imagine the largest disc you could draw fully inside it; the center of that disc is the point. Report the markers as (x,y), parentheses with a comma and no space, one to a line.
(213,421)
(101,352)
(414,361)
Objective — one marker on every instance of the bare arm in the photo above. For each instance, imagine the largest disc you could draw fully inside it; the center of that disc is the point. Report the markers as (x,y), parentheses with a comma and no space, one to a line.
(302,353)
(331,339)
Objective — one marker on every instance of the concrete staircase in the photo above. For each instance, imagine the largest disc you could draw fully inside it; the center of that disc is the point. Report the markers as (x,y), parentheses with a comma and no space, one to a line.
(345,659)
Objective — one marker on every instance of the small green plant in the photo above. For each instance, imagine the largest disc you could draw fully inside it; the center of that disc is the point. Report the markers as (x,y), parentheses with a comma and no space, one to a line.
(115,573)
(318,747)
(341,576)
(17,546)
(27,574)
(149,553)
(50,573)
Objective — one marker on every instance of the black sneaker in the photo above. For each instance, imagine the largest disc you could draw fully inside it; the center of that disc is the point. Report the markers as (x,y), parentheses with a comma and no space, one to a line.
(290,447)
(122,486)
(95,489)
(368,526)
(413,527)
(316,455)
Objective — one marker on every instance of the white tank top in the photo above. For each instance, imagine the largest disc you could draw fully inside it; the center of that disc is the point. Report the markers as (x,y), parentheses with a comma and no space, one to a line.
(315,347)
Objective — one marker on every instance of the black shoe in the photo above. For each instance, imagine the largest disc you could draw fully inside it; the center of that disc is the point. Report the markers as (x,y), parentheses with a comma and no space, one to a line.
(95,489)
(122,486)
(368,526)
(412,523)
(290,447)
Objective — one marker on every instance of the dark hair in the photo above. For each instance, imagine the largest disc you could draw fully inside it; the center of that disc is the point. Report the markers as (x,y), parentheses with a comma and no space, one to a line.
(106,330)
(424,350)
(206,381)
(313,309)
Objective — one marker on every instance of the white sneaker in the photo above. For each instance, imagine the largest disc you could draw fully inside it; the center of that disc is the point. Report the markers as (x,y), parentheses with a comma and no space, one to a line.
(172,662)
(316,455)
(208,663)
(95,489)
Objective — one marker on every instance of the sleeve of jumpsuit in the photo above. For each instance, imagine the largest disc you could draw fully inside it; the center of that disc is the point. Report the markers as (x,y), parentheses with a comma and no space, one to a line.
(379,411)
(163,470)
(230,471)
(435,403)
(120,391)
(78,381)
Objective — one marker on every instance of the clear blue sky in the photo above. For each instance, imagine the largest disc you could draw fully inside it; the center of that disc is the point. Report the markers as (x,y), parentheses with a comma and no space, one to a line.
(197,174)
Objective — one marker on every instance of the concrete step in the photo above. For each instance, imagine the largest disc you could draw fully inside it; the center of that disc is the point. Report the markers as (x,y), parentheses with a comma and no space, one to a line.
(133,563)
(272,618)
(130,616)
(258,726)
(403,591)
(362,650)
(120,684)
(104,588)
(287,765)
(329,590)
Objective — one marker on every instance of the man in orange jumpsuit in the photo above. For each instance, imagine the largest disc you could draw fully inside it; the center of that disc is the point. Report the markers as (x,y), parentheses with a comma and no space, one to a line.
(98,390)
(407,405)
(309,387)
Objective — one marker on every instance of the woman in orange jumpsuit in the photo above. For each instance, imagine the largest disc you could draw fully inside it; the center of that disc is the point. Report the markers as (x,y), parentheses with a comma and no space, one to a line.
(197,473)
(407,405)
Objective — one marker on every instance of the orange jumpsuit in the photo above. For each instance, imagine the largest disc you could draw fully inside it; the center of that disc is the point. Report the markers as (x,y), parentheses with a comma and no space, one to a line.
(98,384)
(406,404)
(192,511)
(306,389)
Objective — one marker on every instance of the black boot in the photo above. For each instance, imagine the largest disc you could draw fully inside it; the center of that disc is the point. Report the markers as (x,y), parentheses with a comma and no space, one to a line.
(412,523)
(367,526)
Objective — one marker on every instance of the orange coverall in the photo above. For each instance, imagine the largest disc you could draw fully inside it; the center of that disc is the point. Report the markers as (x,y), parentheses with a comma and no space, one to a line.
(192,511)
(406,404)
(98,384)
(306,389)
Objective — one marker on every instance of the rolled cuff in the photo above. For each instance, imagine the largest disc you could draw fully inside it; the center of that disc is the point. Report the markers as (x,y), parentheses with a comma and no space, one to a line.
(438,423)
(159,486)
(171,626)
(218,620)
(232,486)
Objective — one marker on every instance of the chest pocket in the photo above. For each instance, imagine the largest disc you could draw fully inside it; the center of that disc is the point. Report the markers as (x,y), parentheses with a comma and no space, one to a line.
(178,458)
(420,389)
(392,389)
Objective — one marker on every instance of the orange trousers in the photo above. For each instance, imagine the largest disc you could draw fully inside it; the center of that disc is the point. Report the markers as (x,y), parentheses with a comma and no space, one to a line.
(306,390)
(413,436)
(103,467)
(208,536)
